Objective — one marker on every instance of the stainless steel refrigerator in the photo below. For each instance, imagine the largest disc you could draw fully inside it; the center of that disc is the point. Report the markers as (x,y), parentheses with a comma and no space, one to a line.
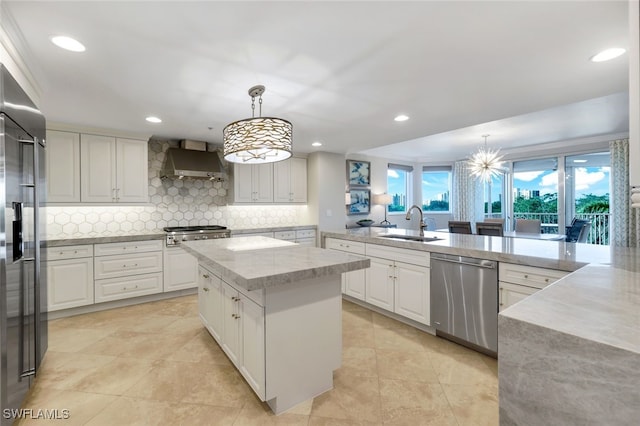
(23,297)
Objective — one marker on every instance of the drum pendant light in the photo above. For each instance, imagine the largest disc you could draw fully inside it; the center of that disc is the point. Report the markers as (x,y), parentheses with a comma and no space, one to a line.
(259,139)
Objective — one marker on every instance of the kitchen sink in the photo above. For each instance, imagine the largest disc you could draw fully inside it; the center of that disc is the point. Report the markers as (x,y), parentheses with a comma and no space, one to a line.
(410,237)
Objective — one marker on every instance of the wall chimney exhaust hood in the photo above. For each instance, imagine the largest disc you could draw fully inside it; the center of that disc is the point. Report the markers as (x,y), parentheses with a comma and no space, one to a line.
(193,161)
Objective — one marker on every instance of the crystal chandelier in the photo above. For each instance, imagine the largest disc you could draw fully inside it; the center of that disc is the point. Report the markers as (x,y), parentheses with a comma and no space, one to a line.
(485,163)
(257,139)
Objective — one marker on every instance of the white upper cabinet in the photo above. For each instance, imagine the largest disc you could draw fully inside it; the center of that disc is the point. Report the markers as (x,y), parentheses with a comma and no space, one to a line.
(132,171)
(113,170)
(290,181)
(98,168)
(280,182)
(83,168)
(63,167)
(253,183)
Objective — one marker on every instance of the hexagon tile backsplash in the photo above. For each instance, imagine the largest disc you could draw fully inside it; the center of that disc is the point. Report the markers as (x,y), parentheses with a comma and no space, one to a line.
(173,202)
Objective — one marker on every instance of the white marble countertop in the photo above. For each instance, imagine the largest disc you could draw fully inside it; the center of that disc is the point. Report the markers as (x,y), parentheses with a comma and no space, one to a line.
(259,262)
(546,254)
(138,236)
(599,302)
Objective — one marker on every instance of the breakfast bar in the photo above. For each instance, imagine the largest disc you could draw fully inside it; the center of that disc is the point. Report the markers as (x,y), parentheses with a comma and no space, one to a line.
(274,307)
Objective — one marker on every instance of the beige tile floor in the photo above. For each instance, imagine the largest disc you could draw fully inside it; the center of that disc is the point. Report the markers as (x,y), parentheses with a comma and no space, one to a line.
(154,364)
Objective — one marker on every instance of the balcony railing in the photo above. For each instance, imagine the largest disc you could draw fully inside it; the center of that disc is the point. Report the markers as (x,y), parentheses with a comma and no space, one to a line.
(598,234)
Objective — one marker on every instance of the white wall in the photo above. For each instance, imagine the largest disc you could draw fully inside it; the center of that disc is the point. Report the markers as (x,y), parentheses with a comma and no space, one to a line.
(326,190)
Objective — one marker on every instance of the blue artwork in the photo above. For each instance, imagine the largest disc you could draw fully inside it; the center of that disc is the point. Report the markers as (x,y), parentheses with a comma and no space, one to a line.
(358,172)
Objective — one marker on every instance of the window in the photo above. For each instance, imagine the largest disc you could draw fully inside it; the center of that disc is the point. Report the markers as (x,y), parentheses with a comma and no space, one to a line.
(436,187)
(494,197)
(587,178)
(398,186)
(535,192)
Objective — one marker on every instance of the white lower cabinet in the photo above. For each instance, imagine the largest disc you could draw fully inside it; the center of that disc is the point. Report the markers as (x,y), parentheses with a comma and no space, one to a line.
(510,294)
(126,287)
(69,277)
(354,282)
(211,302)
(121,276)
(399,281)
(285,339)
(237,323)
(412,292)
(231,325)
(380,283)
(180,269)
(517,282)
(252,367)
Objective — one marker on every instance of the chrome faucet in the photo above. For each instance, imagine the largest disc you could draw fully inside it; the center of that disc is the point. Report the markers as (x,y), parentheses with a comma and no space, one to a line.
(422,225)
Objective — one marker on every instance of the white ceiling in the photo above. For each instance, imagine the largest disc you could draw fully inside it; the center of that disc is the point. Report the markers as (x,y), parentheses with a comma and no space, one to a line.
(339,71)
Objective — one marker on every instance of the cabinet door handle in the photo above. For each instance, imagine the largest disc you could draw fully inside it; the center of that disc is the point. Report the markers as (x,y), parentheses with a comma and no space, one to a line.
(235,299)
(205,276)
(526,276)
(500,297)
(234,316)
(546,280)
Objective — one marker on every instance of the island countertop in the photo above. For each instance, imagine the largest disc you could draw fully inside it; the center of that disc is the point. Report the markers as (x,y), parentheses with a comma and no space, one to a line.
(256,263)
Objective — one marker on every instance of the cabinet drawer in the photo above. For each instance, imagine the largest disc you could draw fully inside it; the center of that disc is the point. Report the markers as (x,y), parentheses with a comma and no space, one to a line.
(528,275)
(69,252)
(354,247)
(414,257)
(126,264)
(305,233)
(285,235)
(123,288)
(109,249)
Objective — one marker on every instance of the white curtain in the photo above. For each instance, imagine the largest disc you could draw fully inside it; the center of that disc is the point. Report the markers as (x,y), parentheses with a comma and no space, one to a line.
(625,221)
(467,200)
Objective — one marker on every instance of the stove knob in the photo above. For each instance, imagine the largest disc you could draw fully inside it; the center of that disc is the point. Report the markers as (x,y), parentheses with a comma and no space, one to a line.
(197,237)
(204,237)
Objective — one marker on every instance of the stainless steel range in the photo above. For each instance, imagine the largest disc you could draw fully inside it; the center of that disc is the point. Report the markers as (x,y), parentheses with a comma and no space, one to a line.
(177,234)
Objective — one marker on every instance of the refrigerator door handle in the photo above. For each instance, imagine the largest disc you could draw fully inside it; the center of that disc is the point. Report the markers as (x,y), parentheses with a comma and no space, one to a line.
(18,243)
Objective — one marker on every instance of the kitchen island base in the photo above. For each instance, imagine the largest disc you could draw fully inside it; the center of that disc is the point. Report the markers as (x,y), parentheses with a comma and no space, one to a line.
(303,336)
(288,345)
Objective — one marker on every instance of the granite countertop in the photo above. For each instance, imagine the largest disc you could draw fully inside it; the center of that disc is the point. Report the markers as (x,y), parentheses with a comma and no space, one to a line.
(271,229)
(545,254)
(598,302)
(256,262)
(154,235)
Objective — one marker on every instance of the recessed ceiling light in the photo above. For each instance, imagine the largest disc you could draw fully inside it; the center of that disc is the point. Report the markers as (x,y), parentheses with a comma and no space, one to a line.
(401,117)
(316,144)
(579,161)
(68,43)
(152,119)
(608,54)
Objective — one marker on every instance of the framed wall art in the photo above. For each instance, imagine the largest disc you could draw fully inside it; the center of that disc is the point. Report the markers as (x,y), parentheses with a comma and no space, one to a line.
(358,173)
(360,201)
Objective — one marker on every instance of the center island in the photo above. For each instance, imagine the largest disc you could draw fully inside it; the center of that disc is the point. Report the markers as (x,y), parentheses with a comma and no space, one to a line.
(275,309)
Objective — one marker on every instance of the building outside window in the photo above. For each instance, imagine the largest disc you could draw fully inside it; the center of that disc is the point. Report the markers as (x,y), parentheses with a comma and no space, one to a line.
(436,188)
(399,187)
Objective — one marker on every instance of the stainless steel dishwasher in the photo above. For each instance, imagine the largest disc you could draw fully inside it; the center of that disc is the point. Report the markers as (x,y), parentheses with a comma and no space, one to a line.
(464,300)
